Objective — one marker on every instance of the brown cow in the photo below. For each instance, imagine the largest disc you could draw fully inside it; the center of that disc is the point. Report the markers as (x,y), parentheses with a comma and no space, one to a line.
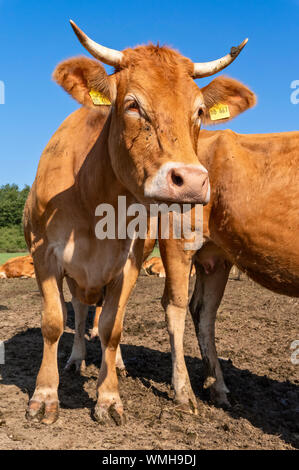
(252,221)
(136,137)
(21,266)
(154,266)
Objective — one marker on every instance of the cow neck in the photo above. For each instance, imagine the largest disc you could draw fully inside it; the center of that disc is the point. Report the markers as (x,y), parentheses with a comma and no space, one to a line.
(97,182)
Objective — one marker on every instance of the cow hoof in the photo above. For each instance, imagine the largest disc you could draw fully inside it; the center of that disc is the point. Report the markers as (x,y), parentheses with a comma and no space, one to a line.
(43,412)
(117,414)
(189,408)
(78,365)
(105,414)
(185,400)
(121,371)
(94,334)
(220,399)
(35,410)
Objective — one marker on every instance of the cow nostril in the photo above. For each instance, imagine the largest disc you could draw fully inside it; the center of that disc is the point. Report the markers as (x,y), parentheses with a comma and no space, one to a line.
(176,179)
(205,181)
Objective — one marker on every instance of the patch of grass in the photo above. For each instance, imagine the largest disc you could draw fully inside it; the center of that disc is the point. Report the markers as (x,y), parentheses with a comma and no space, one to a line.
(155,252)
(5,256)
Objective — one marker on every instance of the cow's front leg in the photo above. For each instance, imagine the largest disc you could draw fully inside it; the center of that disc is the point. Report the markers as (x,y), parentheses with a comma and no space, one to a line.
(77,358)
(211,278)
(109,404)
(177,264)
(44,404)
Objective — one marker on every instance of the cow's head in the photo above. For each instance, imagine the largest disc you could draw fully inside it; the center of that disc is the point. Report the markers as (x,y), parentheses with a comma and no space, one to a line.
(156,113)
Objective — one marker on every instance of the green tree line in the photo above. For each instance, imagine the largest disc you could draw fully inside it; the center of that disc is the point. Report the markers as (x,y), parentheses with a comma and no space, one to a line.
(12,201)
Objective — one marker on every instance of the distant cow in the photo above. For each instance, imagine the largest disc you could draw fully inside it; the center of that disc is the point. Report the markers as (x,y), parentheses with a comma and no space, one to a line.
(154,266)
(134,136)
(21,266)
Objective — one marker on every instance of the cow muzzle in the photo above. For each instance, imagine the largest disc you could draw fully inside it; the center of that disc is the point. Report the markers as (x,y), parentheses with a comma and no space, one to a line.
(181,183)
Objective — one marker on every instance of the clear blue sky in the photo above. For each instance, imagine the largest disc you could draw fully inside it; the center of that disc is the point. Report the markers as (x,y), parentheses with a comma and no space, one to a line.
(36,35)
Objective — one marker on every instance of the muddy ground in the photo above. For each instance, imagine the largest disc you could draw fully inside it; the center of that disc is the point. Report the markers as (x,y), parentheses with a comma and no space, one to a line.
(255,329)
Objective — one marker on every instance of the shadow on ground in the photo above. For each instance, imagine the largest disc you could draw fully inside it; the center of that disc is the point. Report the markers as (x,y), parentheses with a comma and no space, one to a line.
(268,404)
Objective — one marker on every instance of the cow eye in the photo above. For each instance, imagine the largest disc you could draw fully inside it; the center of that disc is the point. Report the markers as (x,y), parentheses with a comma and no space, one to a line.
(133,106)
(200,112)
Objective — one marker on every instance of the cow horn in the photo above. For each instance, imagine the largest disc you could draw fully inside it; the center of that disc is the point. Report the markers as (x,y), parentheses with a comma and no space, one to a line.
(205,69)
(102,53)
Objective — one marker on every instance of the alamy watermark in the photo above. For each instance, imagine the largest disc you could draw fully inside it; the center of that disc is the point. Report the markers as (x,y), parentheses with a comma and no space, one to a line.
(295,93)
(143,222)
(2,92)
(2,352)
(295,354)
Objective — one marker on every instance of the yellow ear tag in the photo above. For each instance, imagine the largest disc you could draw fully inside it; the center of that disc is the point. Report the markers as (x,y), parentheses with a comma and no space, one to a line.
(98,98)
(219,111)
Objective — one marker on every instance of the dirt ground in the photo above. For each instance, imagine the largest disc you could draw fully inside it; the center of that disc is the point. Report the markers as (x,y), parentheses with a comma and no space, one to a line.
(255,329)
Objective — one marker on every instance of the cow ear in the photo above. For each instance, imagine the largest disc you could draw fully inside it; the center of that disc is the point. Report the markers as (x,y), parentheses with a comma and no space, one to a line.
(85,80)
(224,99)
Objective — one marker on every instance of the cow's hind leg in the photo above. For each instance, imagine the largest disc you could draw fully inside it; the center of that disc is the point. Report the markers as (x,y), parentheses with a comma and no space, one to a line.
(109,404)
(44,404)
(77,358)
(207,295)
(94,332)
(120,366)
